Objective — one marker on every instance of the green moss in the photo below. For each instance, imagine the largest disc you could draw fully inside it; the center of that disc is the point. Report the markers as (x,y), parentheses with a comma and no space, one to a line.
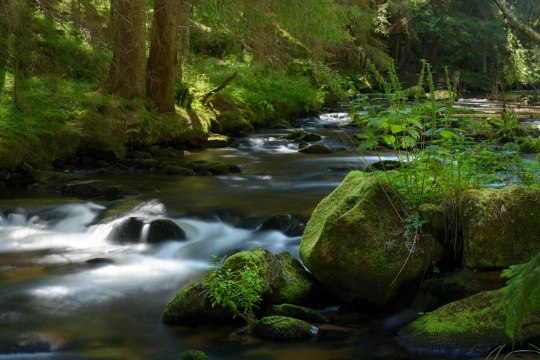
(297,312)
(281,327)
(463,327)
(190,305)
(500,227)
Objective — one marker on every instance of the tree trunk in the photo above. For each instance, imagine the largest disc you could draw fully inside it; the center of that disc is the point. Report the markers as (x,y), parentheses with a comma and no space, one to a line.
(514,22)
(128,25)
(169,29)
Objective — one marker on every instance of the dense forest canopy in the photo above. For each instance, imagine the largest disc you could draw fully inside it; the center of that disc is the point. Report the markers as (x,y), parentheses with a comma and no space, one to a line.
(81,38)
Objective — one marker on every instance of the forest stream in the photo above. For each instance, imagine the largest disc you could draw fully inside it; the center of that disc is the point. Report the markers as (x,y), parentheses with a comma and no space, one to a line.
(66,292)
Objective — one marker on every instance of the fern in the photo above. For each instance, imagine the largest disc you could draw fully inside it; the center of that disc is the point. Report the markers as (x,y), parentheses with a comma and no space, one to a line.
(520,298)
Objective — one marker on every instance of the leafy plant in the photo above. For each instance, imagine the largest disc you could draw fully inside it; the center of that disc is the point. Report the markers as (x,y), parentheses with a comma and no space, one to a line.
(237,290)
(520,298)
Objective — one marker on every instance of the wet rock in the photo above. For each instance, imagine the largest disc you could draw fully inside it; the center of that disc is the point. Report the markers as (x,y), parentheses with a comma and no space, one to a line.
(140,155)
(282,328)
(303,136)
(234,169)
(96,189)
(297,312)
(385,165)
(178,170)
(164,229)
(202,167)
(127,231)
(193,355)
(147,164)
(52,180)
(284,278)
(354,242)
(316,149)
(217,141)
(468,327)
(285,223)
(500,226)
(97,262)
(462,283)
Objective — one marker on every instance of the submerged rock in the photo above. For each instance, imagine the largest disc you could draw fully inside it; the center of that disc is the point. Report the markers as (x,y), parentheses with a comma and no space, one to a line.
(283,277)
(354,243)
(303,136)
(466,327)
(164,229)
(127,231)
(282,328)
(316,149)
(501,227)
(285,223)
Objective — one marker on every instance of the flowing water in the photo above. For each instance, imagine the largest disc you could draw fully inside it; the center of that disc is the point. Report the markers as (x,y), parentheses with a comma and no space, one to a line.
(66,292)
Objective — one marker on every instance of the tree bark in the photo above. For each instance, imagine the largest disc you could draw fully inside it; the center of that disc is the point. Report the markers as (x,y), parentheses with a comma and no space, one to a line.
(127,73)
(169,24)
(514,22)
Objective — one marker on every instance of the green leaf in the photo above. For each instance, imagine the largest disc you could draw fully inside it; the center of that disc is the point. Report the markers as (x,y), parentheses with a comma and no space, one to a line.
(447,134)
(389,139)
(367,145)
(396,128)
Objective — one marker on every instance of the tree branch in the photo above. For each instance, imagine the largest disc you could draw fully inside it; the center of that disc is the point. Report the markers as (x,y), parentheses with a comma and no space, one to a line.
(220,87)
(514,22)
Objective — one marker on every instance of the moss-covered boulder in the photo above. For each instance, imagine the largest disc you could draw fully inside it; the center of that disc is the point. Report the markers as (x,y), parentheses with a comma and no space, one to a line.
(354,243)
(284,281)
(297,312)
(466,327)
(501,227)
(191,306)
(282,328)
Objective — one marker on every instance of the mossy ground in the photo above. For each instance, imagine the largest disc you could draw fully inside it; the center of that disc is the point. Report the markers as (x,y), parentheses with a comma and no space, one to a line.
(463,328)
(55,116)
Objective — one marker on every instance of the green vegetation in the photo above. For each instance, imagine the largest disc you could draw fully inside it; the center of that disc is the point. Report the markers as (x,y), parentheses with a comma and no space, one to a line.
(239,290)
(519,301)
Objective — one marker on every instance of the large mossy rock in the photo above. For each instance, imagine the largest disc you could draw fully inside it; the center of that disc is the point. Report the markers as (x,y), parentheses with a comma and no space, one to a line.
(282,328)
(501,227)
(466,327)
(284,279)
(354,242)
